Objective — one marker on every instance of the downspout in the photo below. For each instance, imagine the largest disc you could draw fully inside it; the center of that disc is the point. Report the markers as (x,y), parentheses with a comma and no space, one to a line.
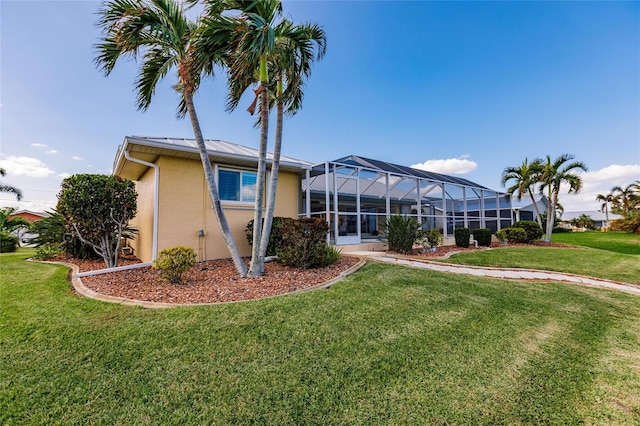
(156,171)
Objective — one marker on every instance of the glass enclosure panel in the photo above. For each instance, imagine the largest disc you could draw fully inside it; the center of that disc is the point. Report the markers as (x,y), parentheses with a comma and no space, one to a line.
(347,225)
(505,201)
(493,225)
(474,224)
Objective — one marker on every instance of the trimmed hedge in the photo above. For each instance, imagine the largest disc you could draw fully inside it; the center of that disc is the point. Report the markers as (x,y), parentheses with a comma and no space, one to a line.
(513,235)
(462,237)
(304,244)
(532,229)
(482,236)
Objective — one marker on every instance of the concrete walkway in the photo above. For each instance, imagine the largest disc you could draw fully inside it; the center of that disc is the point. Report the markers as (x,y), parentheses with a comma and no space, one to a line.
(502,273)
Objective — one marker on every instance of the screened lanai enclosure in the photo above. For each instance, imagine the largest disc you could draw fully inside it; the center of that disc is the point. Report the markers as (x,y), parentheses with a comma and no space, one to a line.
(356,194)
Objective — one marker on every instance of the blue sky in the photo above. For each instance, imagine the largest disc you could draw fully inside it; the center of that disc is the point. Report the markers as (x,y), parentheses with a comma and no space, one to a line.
(463,88)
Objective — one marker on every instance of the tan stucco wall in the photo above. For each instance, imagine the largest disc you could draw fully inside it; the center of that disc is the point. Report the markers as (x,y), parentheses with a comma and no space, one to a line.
(185,209)
(143,221)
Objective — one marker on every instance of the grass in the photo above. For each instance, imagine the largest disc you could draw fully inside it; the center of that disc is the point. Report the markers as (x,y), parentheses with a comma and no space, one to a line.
(388,345)
(613,256)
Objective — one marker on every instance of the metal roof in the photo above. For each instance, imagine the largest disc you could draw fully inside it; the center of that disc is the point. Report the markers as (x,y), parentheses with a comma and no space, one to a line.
(150,148)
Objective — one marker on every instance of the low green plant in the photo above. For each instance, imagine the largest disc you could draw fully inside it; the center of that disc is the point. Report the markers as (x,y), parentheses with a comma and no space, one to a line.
(431,238)
(8,242)
(304,242)
(330,256)
(482,236)
(462,237)
(47,251)
(512,235)
(531,228)
(401,233)
(175,261)
(561,230)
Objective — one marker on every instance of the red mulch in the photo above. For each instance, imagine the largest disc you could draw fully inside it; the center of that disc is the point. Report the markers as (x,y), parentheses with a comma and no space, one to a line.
(207,282)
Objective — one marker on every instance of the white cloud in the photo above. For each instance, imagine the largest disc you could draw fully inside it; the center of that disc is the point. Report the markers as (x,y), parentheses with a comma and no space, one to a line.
(75,157)
(38,145)
(449,166)
(64,175)
(598,182)
(25,166)
(52,151)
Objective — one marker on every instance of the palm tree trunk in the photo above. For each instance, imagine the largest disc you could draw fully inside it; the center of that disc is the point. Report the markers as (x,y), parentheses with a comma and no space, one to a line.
(535,207)
(213,189)
(551,216)
(273,184)
(254,268)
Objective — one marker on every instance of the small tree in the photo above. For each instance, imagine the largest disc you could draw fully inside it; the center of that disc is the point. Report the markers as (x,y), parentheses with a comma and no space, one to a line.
(583,221)
(98,208)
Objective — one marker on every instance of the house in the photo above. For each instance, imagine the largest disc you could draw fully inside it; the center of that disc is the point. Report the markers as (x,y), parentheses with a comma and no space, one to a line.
(28,215)
(353,194)
(524,209)
(599,218)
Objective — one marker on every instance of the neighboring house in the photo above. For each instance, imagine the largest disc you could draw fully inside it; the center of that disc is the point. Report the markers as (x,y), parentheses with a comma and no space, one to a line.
(599,218)
(28,215)
(354,194)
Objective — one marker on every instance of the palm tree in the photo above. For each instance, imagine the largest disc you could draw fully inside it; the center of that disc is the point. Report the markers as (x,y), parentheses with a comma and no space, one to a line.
(268,45)
(552,176)
(606,199)
(625,197)
(157,33)
(524,178)
(8,188)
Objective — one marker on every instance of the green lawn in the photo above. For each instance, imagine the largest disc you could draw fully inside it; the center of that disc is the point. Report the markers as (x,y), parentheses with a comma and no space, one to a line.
(388,345)
(614,256)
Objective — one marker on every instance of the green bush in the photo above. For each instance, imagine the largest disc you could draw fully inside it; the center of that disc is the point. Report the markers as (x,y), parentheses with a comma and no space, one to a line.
(482,236)
(561,230)
(401,233)
(531,228)
(513,235)
(275,238)
(8,242)
(330,256)
(48,251)
(462,237)
(431,238)
(175,261)
(304,243)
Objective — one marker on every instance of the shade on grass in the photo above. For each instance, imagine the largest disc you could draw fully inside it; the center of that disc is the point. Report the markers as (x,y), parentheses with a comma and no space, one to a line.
(389,345)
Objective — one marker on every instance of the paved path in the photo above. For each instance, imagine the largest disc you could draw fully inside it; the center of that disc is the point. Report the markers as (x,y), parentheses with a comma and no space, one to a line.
(503,273)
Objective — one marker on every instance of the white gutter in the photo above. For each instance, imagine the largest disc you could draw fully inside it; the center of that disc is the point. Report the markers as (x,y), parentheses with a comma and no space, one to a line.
(156,208)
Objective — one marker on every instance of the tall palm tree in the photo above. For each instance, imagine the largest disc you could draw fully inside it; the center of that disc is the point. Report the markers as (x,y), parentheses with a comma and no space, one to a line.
(157,33)
(270,46)
(524,178)
(552,176)
(625,197)
(8,188)
(605,199)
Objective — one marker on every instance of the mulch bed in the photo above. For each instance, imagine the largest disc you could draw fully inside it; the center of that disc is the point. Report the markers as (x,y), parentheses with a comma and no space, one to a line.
(212,281)
(217,281)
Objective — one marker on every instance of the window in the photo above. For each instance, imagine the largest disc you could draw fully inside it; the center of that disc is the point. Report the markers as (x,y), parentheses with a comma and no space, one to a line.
(236,185)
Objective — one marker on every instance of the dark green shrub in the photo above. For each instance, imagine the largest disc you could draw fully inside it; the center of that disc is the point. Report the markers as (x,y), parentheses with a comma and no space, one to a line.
(8,242)
(462,236)
(175,261)
(482,236)
(52,230)
(304,243)
(532,229)
(330,256)
(401,233)
(561,230)
(513,235)
(275,238)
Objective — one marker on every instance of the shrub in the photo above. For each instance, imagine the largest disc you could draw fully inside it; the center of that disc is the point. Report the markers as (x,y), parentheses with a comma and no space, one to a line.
(175,261)
(482,236)
(462,237)
(531,228)
(330,256)
(401,233)
(304,243)
(561,230)
(8,242)
(513,235)
(48,251)
(275,238)
(431,238)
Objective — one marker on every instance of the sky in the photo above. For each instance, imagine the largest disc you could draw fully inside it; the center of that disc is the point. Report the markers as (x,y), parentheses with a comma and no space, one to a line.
(461,88)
